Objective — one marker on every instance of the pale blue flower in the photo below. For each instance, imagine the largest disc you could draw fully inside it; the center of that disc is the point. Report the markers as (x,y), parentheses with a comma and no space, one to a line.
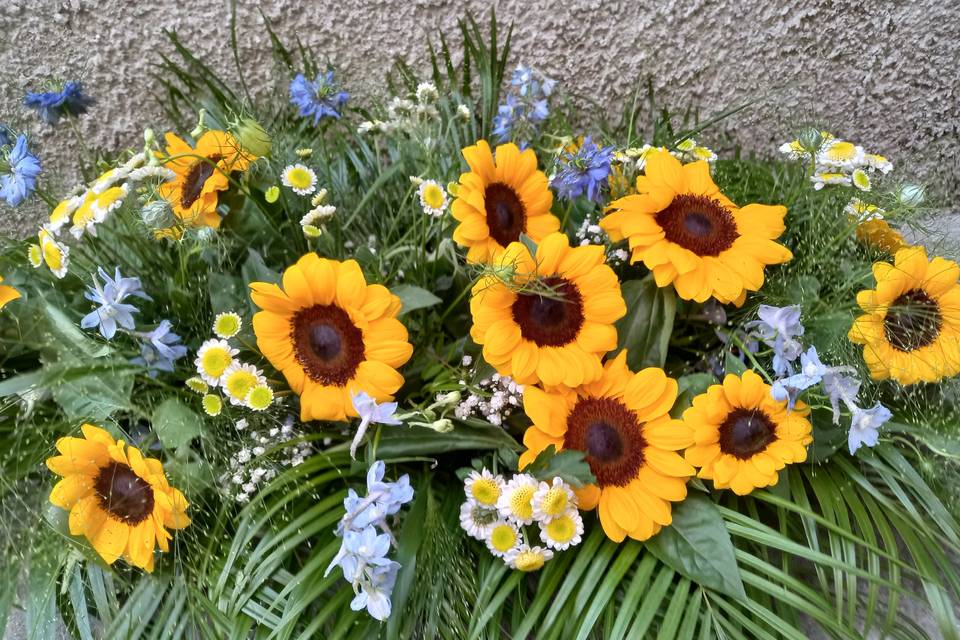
(840,387)
(865,426)
(370,412)
(53,105)
(160,348)
(777,328)
(812,371)
(583,172)
(113,311)
(376,595)
(18,170)
(525,106)
(319,98)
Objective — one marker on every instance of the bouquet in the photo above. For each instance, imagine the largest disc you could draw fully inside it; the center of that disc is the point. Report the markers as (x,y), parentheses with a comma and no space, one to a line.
(466,361)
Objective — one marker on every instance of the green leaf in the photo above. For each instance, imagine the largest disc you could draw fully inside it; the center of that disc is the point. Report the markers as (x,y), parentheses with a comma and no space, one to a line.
(698,546)
(732,364)
(413,298)
(175,423)
(529,243)
(827,437)
(645,330)
(226,293)
(256,270)
(65,339)
(570,465)
(396,442)
(95,396)
(688,388)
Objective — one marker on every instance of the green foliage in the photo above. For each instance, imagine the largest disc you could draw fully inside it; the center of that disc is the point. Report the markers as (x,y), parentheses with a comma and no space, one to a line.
(569,465)
(645,330)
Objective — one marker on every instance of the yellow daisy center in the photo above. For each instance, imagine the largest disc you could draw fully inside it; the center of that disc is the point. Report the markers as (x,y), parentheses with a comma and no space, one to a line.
(212,405)
(485,491)
(503,537)
(554,502)
(227,325)
(861,180)
(299,178)
(841,151)
(521,502)
(196,384)
(528,561)
(239,383)
(215,361)
(52,255)
(260,397)
(433,196)
(35,255)
(561,529)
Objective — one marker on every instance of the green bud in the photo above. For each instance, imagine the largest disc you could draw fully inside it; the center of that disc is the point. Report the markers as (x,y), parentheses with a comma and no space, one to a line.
(158,215)
(444,425)
(811,139)
(252,137)
(911,195)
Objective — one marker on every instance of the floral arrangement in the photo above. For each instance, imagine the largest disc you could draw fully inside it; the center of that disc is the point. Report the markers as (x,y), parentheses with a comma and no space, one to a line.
(468,363)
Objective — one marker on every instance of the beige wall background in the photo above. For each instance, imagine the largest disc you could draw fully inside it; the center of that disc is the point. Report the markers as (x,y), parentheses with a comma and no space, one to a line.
(881,73)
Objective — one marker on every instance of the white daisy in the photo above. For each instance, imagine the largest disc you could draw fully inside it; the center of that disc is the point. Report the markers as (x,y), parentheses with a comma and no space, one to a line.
(502,538)
(433,198)
(484,488)
(840,154)
(300,178)
(427,93)
(862,211)
(477,520)
(238,379)
(563,531)
(227,324)
(820,180)
(213,358)
(516,500)
(552,500)
(526,558)
(55,255)
(878,162)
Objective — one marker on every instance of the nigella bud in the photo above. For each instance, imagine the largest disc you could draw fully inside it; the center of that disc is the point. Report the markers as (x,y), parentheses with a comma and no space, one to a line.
(911,195)
(252,137)
(158,215)
(811,139)
(444,425)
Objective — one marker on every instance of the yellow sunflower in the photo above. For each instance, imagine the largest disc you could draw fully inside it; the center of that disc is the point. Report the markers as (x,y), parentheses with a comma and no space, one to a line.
(910,330)
(880,235)
(691,235)
(742,436)
(7,294)
(622,423)
(118,499)
(200,173)
(331,335)
(554,334)
(498,199)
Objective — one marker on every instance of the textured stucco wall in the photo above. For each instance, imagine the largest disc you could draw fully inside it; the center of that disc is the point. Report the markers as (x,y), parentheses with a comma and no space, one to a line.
(882,73)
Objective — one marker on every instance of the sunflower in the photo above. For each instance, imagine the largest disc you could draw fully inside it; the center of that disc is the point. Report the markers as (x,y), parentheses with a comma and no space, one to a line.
(555,334)
(910,330)
(742,436)
(7,294)
(622,423)
(119,500)
(879,235)
(689,234)
(331,335)
(497,200)
(200,173)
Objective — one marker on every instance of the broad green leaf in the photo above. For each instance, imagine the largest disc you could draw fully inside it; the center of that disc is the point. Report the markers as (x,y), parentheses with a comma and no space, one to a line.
(698,546)
(827,437)
(645,330)
(256,270)
(733,364)
(401,441)
(227,293)
(413,298)
(95,396)
(64,338)
(569,465)
(175,423)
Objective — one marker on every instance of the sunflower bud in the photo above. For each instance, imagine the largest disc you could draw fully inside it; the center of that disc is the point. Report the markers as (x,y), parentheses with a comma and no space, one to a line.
(253,138)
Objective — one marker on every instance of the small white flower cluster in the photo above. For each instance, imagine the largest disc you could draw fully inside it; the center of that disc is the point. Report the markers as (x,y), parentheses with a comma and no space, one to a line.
(406,115)
(312,223)
(590,232)
(243,384)
(497,397)
(836,161)
(497,512)
(689,151)
(248,471)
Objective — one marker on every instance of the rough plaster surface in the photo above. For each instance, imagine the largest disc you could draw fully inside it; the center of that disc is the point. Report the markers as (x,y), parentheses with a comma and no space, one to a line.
(879,72)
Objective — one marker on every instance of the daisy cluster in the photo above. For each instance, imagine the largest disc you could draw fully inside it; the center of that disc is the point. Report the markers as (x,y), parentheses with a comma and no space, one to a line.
(367,540)
(248,471)
(87,207)
(780,329)
(313,222)
(494,400)
(836,161)
(243,384)
(498,512)
(627,164)
(410,115)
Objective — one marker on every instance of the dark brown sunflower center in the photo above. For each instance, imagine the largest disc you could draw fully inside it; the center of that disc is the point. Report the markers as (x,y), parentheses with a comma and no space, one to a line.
(746,432)
(506,215)
(913,321)
(200,171)
(123,494)
(698,223)
(550,320)
(327,344)
(609,433)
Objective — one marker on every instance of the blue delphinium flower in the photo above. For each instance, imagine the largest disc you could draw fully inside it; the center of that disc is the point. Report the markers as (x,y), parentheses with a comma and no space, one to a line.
(18,170)
(159,349)
(53,105)
(367,539)
(841,388)
(865,426)
(525,106)
(583,172)
(319,98)
(110,296)
(370,412)
(777,328)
